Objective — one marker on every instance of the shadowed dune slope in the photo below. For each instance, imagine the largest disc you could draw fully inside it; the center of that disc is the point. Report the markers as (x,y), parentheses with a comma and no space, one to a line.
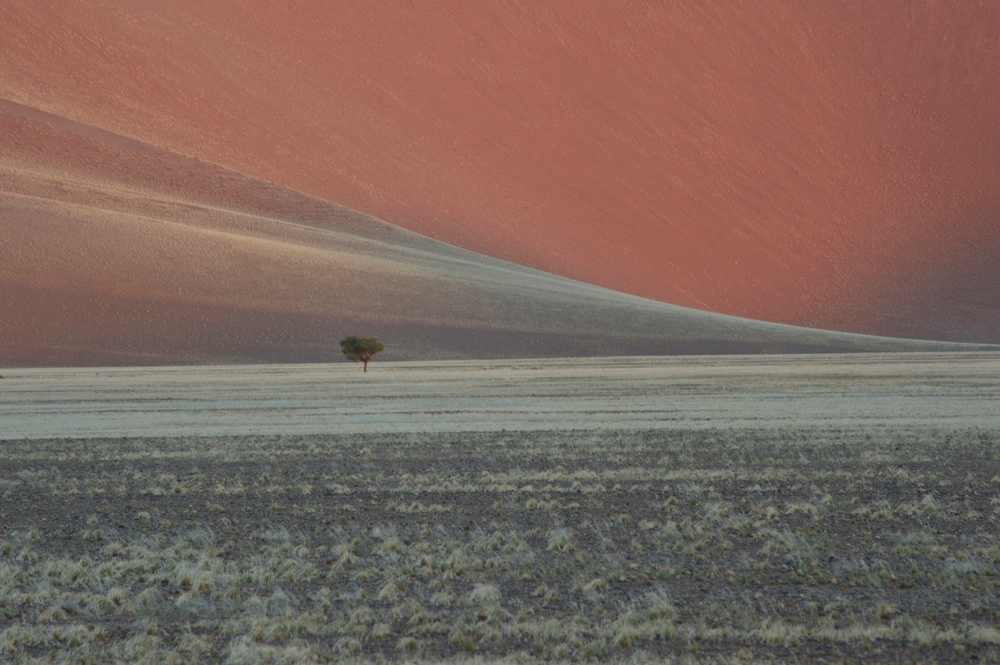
(113,252)
(828,164)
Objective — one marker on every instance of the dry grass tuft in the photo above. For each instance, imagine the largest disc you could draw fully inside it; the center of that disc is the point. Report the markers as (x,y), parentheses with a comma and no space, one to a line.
(659,546)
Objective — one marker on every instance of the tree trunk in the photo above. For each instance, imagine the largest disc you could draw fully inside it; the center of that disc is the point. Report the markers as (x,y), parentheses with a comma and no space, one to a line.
(365,362)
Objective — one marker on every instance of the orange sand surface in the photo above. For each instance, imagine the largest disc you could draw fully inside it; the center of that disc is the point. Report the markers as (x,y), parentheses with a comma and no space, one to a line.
(823,164)
(116,253)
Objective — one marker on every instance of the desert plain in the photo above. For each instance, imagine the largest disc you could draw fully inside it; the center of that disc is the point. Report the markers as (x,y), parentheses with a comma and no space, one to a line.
(821,508)
(590,235)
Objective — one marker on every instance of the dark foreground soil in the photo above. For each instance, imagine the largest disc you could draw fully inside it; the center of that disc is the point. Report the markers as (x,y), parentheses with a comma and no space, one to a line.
(862,545)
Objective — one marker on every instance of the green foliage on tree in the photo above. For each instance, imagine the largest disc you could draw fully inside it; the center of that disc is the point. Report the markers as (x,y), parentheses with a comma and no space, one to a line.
(361,348)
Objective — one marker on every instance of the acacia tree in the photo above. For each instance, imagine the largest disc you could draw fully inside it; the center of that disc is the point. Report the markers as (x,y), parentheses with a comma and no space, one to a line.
(361,348)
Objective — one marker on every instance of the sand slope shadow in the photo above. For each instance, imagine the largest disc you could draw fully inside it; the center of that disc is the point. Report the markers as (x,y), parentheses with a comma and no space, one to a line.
(113,252)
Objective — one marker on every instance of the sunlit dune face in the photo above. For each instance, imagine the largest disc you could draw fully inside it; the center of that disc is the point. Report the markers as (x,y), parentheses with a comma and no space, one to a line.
(822,164)
(114,252)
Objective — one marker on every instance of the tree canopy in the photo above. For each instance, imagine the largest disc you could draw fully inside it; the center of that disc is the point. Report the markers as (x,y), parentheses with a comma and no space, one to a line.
(361,348)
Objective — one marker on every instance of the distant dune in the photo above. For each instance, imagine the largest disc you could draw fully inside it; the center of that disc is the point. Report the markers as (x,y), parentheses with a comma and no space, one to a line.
(828,164)
(116,253)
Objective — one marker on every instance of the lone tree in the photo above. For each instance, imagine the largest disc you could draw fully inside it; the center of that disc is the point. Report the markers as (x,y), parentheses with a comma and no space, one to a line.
(361,348)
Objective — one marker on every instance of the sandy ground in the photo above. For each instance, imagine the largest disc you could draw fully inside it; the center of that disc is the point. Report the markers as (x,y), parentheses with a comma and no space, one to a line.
(842,391)
(114,253)
(827,508)
(824,164)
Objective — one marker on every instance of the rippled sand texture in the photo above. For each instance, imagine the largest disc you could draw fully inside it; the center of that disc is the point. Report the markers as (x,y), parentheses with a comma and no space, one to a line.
(116,253)
(822,164)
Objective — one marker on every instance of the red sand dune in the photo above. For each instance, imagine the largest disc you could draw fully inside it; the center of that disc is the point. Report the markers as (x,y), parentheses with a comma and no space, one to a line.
(113,252)
(828,164)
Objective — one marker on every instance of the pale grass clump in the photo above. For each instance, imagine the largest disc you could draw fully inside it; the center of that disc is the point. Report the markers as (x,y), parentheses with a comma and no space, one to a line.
(484,594)
(246,650)
(978,634)
(417,507)
(803,508)
(381,630)
(881,509)
(885,610)
(854,633)
(730,519)
(594,585)
(408,644)
(442,598)
(927,505)
(859,571)
(653,618)
(18,636)
(784,541)
(236,488)
(392,589)
(561,539)
(347,552)
(348,646)
(390,545)
(778,632)
(497,541)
